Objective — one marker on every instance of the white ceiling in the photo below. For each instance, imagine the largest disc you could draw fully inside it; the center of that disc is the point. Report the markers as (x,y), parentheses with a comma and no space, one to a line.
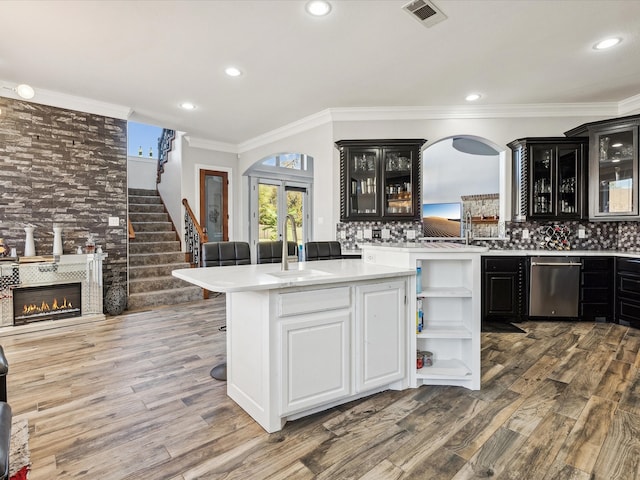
(149,56)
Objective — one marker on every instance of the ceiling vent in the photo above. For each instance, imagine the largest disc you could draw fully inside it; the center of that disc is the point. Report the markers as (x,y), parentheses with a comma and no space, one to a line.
(424,12)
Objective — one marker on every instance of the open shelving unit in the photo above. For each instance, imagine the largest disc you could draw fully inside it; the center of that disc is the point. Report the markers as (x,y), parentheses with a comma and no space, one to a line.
(450,297)
(451,323)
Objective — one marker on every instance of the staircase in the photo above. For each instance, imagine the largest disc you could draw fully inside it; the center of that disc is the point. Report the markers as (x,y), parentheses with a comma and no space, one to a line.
(153,254)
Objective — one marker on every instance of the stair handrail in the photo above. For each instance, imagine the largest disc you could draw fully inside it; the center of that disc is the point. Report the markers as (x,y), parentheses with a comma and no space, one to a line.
(132,232)
(194,234)
(165,145)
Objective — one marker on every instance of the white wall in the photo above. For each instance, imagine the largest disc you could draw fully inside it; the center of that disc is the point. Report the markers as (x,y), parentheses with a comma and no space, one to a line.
(317,143)
(448,174)
(196,159)
(142,172)
(170,188)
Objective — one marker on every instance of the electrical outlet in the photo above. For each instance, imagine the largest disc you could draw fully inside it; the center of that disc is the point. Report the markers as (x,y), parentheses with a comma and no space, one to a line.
(582,233)
(386,233)
(367,233)
(411,234)
(525,234)
(114,222)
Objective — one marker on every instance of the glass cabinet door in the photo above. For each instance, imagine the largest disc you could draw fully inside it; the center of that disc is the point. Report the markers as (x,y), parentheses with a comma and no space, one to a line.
(541,179)
(363,179)
(397,181)
(568,178)
(614,175)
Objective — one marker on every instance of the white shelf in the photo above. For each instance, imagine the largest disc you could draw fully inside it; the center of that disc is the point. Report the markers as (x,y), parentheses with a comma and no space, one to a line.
(441,292)
(450,368)
(445,331)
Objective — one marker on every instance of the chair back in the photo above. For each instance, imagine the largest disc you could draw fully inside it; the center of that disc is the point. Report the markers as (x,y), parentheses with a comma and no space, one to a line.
(219,254)
(271,252)
(322,251)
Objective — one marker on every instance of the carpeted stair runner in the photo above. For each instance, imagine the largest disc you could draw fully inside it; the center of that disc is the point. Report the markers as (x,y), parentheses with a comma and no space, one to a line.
(154,254)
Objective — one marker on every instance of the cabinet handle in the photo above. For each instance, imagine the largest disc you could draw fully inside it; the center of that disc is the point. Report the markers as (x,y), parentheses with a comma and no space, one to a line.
(559,264)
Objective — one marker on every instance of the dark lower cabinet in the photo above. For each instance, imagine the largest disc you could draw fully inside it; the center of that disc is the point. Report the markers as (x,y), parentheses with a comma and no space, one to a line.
(504,289)
(596,289)
(628,291)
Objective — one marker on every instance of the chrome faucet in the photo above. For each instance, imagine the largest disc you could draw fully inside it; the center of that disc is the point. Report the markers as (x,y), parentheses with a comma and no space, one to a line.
(285,243)
(468,233)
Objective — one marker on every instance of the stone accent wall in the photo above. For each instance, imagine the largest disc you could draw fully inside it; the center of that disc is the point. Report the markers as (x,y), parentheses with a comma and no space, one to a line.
(65,167)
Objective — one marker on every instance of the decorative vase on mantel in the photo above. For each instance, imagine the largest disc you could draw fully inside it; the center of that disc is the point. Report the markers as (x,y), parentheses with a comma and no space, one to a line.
(29,244)
(57,240)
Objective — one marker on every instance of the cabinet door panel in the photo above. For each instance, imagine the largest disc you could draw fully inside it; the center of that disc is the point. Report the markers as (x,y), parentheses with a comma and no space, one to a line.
(614,172)
(500,294)
(380,334)
(315,363)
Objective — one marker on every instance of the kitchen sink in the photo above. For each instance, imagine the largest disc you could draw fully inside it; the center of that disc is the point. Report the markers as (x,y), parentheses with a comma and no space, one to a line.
(298,273)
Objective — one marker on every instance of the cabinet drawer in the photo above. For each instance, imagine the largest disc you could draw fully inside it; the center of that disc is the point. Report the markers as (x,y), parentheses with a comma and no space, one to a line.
(629,311)
(595,279)
(589,311)
(502,264)
(629,285)
(313,301)
(629,265)
(590,264)
(594,295)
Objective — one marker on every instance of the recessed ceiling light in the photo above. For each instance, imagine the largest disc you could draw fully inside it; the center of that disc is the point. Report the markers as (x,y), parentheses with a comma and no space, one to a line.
(232,71)
(472,97)
(188,106)
(318,8)
(607,43)
(25,91)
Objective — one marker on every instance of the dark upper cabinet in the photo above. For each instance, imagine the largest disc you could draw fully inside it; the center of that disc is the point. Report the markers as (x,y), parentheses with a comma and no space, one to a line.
(549,178)
(380,179)
(613,167)
(504,288)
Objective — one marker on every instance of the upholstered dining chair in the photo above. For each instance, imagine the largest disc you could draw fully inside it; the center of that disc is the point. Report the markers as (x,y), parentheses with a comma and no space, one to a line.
(220,254)
(271,252)
(329,250)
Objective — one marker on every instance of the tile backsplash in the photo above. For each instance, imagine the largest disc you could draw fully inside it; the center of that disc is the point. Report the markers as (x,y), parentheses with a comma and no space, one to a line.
(623,236)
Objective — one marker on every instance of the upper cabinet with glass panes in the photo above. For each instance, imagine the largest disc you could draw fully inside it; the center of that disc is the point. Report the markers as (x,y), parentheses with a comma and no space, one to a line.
(548,178)
(380,179)
(613,167)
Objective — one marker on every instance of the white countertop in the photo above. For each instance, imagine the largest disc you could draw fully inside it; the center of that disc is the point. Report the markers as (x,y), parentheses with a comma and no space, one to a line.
(268,276)
(432,247)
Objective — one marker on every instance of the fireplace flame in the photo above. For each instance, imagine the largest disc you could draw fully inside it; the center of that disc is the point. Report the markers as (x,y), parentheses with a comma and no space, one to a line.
(45,307)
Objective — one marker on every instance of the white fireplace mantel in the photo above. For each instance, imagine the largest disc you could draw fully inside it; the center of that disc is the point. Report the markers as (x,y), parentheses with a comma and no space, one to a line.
(84,268)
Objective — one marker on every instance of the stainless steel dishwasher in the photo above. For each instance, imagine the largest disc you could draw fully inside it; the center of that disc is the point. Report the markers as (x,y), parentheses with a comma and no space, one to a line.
(554,286)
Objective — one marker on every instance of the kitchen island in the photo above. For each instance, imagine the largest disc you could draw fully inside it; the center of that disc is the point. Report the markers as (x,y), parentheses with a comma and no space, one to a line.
(312,337)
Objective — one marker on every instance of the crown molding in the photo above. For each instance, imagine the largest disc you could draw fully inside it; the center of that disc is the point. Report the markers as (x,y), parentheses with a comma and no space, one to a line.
(474,111)
(299,126)
(629,105)
(73,102)
(370,114)
(211,144)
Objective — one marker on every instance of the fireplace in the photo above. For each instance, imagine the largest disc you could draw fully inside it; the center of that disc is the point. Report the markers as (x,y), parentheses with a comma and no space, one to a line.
(48,302)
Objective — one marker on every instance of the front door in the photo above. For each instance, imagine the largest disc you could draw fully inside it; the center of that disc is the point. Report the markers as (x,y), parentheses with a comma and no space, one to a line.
(214,205)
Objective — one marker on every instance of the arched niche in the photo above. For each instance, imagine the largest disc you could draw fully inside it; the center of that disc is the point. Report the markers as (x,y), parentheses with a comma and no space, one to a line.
(468,171)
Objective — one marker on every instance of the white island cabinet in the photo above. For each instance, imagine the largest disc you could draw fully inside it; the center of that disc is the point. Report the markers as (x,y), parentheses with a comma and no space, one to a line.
(305,340)
(450,297)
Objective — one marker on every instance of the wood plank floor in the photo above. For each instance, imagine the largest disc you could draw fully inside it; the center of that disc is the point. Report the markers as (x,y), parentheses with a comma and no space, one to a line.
(130,397)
